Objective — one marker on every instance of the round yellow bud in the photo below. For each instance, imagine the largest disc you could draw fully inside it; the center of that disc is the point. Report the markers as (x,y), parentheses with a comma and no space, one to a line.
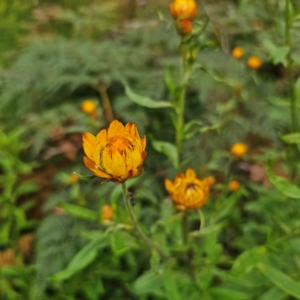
(254,62)
(89,107)
(239,149)
(234,185)
(237,52)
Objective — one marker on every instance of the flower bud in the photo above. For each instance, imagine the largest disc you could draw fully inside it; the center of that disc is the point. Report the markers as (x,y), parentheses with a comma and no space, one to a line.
(233,185)
(237,52)
(254,62)
(183,9)
(239,149)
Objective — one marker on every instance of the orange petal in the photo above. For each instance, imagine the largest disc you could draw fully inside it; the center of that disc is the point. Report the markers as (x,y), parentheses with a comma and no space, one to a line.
(89,144)
(190,173)
(102,138)
(115,128)
(143,142)
(94,168)
(168,185)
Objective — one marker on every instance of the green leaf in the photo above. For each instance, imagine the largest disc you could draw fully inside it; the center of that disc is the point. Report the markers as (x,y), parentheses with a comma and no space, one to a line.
(150,282)
(282,185)
(82,259)
(228,294)
(143,100)
(274,293)
(78,211)
(291,138)
(168,149)
(170,82)
(281,280)
(277,54)
(247,260)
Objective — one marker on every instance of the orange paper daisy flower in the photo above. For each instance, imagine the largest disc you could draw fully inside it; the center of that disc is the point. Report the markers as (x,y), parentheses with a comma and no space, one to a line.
(116,153)
(187,190)
(183,9)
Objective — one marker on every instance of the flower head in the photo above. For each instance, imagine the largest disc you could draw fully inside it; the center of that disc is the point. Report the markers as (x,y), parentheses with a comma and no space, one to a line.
(234,185)
(239,149)
(237,52)
(88,106)
(116,153)
(183,9)
(185,26)
(254,62)
(187,190)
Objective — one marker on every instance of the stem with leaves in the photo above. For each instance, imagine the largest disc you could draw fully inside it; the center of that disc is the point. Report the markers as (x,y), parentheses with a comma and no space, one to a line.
(136,225)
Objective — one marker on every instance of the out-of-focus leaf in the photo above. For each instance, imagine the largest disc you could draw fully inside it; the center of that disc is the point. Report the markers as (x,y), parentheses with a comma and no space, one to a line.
(228,294)
(291,138)
(281,280)
(168,149)
(247,260)
(83,258)
(274,293)
(78,211)
(282,185)
(149,283)
(143,100)
(277,54)
(170,82)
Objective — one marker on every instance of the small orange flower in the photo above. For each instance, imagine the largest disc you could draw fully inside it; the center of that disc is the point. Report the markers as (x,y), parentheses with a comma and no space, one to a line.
(107,212)
(89,107)
(237,52)
(187,190)
(234,185)
(239,149)
(116,153)
(211,180)
(183,9)
(185,27)
(254,62)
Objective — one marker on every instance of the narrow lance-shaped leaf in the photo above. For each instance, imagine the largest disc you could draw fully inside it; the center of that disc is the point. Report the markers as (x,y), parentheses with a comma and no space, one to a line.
(281,280)
(168,149)
(143,100)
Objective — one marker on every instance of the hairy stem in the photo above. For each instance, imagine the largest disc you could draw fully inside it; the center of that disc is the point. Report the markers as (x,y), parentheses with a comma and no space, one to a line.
(107,110)
(136,225)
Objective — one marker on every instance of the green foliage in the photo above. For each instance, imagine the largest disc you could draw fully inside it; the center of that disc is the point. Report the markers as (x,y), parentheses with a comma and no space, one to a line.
(243,244)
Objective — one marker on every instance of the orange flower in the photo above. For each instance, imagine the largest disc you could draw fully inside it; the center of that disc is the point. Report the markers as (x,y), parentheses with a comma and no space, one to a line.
(185,27)
(183,9)
(211,180)
(187,190)
(234,185)
(239,149)
(89,107)
(107,212)
(254,62)
(237,52)
(116,153)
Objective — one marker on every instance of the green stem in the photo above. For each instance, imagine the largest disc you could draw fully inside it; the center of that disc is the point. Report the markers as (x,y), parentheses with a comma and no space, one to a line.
(290,66)
(136,224)
(202,220)
(184,223)
(280,240)
(186,70)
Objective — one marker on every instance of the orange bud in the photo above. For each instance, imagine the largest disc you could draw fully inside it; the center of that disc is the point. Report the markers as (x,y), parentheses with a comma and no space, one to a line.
(73,178)
(89,107)
(237,52)
(183,9)
(185,27)
(254,62)
(211,180)
(233,185)
(239,149)
(107,212)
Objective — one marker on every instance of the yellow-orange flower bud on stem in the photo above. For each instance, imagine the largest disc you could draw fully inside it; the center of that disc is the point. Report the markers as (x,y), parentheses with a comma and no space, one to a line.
(183,9)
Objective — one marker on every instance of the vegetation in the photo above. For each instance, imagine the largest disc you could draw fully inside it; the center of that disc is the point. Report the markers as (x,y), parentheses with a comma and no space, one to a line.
(209,209)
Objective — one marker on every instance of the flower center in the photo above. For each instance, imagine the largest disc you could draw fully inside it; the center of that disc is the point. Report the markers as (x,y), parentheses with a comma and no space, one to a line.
(120,144)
